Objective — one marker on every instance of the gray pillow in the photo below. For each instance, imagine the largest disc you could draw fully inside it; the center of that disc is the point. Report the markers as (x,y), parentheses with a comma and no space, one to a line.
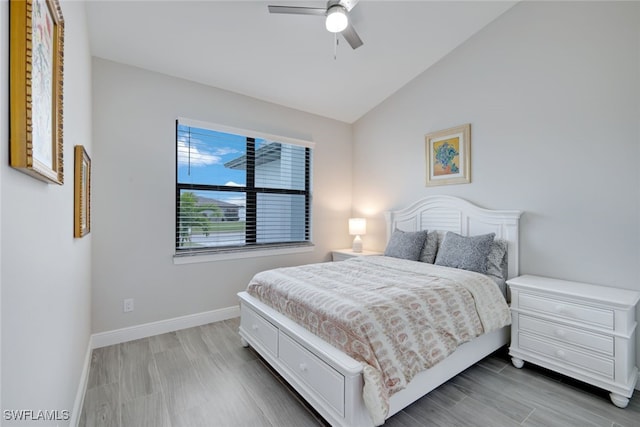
(406,244)
(497,259)
(467,253)
(430,248)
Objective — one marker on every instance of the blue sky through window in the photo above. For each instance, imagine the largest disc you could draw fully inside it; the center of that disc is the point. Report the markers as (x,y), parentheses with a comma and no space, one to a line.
(202,154)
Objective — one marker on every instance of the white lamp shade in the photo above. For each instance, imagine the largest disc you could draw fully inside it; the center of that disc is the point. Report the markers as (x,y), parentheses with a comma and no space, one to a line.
(337,19)
(357,226)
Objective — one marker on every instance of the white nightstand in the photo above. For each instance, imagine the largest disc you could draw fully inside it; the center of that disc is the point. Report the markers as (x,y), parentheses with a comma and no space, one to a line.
(342,254)
(583,331)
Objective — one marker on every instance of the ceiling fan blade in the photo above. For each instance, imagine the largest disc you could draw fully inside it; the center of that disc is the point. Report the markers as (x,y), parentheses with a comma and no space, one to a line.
(348,4)
(352,37)
(296,10)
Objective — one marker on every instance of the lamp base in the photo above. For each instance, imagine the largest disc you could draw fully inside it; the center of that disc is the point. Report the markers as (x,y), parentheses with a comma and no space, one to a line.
(357,245)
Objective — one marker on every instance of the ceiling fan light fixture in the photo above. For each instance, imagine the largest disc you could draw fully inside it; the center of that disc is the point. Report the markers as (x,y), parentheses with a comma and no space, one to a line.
(337,19)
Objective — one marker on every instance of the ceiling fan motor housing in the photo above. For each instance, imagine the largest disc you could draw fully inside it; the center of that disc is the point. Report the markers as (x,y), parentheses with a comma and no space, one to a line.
(337,19)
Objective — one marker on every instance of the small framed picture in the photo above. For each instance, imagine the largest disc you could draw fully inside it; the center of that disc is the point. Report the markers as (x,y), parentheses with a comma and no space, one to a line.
(82,193)
(448,155)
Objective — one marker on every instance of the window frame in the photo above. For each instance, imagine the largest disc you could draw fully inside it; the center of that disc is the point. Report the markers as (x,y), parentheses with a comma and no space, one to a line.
(251,248)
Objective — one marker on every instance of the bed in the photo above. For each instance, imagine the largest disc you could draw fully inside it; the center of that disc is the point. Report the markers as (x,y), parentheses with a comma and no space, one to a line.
(334,382)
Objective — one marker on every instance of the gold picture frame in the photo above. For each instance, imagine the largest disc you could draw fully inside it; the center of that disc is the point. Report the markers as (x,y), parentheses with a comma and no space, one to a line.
(448,156)
(35,86)
(82,192)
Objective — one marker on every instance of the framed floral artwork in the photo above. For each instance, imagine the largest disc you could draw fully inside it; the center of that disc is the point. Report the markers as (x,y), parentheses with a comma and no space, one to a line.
(448,155)
(35,86)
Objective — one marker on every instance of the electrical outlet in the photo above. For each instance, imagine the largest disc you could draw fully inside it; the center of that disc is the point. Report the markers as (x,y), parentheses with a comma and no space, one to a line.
(127,305)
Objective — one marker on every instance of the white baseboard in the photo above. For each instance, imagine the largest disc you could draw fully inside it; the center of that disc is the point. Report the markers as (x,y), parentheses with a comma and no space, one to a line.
(82,387)
(103,339)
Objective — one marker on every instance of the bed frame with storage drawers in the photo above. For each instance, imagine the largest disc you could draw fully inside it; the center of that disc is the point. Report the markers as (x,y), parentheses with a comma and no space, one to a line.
(330,380)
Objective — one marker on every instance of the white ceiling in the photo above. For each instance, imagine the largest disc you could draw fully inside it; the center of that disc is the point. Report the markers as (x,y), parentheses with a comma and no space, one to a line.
(287,59)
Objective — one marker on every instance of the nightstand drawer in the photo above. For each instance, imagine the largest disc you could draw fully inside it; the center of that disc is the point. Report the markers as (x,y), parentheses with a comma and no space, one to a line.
(566,334)
(339,256)
(566,355)
(568,310)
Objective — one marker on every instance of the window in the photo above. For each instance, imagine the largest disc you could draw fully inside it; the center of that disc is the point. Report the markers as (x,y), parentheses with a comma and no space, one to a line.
(240,190)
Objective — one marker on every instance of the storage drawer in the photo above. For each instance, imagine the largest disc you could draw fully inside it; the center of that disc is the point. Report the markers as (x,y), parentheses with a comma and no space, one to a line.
(566,334)
(565,355)
(322,378)
(569,310)
(260,329)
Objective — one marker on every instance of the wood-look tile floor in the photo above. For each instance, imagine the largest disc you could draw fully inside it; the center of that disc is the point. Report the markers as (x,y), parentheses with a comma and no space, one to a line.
(203,377)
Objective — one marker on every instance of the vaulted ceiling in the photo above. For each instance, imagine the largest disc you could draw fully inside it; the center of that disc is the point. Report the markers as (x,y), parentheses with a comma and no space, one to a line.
(287,59)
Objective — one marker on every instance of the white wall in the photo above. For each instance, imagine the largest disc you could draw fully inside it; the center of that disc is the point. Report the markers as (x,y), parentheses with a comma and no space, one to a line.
(45,271)
(552,92)
(134,115)
(4,136)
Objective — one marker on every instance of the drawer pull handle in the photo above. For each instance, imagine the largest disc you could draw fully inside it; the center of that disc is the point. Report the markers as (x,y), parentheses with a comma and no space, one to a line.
(560,332)
(254,327)
(561,354)
(303,367)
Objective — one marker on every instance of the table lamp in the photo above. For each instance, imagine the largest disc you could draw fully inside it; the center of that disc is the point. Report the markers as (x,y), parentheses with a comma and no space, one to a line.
(357,227)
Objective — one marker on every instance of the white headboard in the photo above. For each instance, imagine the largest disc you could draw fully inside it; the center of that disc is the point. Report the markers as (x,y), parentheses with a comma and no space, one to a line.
(460,216)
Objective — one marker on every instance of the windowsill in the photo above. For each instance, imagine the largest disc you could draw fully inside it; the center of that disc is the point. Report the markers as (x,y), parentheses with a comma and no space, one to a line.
(224,256)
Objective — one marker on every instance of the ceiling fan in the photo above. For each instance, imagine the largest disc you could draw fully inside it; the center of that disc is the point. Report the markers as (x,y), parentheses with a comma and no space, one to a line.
(337,17)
